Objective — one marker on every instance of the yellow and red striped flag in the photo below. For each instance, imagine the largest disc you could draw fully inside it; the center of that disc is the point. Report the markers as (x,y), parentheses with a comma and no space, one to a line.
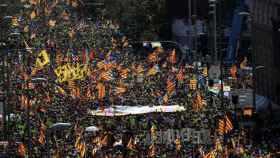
(106,75)
(221,126)
(101,90)
(229,125)
(224,126)
(211,154)
(193,84)
(198,102)
(42,131)
(180,76)
(170,86)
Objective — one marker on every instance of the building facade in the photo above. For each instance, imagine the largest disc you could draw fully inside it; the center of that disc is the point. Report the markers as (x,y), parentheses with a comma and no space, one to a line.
(265,15)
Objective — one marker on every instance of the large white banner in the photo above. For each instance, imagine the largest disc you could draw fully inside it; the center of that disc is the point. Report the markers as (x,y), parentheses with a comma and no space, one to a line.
(135,110)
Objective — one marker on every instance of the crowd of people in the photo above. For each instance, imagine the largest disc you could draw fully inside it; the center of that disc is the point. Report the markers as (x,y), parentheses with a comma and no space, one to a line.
(61,84)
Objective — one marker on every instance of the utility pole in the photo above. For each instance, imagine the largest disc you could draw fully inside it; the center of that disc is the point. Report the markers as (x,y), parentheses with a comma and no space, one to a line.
(212,5)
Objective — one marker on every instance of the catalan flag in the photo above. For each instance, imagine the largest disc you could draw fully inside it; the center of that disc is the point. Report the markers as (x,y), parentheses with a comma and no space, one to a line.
(229,125)
(101,90)
(180,76)
(106,75)
(193,84)
(172,57)
(211,154)
(224,126)
(80,146)
(170,86)
(198,102)
(221,126)
(42,131)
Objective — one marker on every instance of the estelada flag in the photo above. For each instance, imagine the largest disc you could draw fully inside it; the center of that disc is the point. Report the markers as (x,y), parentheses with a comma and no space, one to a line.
(101,90)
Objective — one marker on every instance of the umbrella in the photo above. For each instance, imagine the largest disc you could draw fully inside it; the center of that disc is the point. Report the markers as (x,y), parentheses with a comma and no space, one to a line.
(92,129)
(57,126)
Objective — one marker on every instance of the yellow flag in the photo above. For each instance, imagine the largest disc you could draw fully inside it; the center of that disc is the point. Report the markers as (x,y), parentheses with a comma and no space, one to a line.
(42,59)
